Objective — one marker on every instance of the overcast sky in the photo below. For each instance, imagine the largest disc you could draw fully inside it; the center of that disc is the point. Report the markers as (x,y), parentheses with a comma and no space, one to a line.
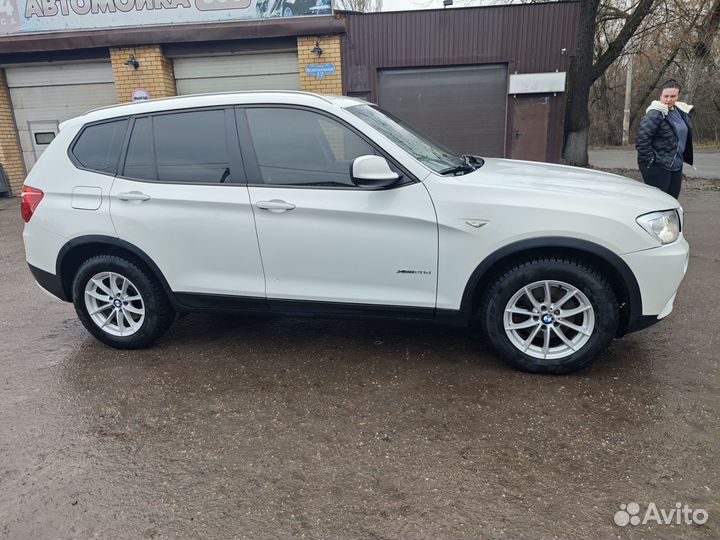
(402,5)
(399,5)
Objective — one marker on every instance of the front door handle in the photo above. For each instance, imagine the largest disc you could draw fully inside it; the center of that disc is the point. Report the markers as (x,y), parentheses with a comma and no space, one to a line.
(275,206)
(133,196)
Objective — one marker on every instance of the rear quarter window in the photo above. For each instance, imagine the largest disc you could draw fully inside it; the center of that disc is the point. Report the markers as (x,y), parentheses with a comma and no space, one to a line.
(98,146)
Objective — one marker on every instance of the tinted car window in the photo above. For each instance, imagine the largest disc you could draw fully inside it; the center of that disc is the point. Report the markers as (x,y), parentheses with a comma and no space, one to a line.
(296,147)
(98,147)
(430,153)
(191,147)
(139,160)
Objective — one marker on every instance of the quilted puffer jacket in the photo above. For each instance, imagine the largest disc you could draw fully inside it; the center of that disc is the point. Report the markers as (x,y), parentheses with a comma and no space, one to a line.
(657,141)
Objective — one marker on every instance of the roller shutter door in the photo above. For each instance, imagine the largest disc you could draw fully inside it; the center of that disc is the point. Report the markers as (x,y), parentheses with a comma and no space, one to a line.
(44,95)
(251,71)
(462,107)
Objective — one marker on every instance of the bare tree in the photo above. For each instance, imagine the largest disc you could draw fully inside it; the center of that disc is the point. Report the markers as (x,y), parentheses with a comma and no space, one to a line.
(699,55)
(664,47)
(585,71)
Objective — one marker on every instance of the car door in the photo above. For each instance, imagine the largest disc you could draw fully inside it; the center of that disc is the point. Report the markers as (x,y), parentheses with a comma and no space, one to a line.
(181,197)
(322,238)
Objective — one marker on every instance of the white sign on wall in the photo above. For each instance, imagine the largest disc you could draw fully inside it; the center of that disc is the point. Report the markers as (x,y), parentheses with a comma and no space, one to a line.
(537,83)
(21,16)
(140,94)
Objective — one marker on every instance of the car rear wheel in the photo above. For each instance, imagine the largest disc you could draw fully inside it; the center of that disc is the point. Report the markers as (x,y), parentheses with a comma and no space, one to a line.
(120,303)
(550,315)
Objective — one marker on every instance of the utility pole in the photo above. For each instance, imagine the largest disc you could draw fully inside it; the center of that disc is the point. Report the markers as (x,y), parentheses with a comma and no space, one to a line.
(628,96)
(628,93)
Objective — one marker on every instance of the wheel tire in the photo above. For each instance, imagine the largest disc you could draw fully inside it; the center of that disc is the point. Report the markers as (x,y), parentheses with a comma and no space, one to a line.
(594,289)
(157,312)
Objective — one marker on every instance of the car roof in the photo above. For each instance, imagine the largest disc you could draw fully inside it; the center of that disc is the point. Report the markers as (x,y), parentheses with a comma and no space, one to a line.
(287,97)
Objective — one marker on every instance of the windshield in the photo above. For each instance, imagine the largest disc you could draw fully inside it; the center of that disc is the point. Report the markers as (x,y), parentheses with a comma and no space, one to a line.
(428,152)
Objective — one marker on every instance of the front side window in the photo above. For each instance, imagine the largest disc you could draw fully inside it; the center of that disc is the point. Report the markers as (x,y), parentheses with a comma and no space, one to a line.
(98,147)
(304,148)
(187,147)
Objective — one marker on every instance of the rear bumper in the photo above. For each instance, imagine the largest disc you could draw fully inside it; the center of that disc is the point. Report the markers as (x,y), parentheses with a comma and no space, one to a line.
(49,282)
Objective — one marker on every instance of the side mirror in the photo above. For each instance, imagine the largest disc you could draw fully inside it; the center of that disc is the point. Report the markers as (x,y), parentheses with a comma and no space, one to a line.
(372,172)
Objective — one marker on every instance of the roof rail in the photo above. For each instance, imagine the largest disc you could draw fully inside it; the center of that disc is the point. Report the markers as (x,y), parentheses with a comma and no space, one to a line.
(232,92)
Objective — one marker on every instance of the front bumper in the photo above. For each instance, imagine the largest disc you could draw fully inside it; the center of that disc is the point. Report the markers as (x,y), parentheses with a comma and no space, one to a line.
(659,272)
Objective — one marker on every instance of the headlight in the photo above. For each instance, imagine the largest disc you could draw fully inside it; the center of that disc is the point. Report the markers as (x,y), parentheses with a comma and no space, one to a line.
(664,226)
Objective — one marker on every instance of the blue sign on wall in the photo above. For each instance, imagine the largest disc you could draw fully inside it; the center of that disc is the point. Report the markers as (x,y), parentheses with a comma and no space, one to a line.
(320,70)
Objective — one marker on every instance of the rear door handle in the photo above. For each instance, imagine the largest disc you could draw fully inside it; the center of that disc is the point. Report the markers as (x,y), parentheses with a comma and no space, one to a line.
(133,196)
(275,205)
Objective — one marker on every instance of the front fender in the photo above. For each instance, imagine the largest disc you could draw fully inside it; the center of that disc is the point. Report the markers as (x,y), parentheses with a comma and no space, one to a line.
(620,272)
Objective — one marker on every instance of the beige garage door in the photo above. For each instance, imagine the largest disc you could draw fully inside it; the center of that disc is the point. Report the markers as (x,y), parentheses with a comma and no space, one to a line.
(277,70)
(43,95)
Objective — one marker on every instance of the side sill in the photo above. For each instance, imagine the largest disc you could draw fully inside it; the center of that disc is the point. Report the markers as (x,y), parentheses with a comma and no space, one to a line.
(453,317)
(340,309)
(224,303)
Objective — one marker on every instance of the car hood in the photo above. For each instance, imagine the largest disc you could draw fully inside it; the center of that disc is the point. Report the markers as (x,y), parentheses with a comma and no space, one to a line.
(565,181)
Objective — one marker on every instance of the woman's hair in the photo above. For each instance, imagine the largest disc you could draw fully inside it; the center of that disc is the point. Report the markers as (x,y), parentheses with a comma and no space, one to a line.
(672,83)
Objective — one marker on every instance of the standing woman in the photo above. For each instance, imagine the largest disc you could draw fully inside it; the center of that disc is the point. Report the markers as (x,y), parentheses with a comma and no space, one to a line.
(664,140)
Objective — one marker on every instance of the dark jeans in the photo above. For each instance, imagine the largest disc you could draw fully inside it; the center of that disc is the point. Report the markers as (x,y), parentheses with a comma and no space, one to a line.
(667,181)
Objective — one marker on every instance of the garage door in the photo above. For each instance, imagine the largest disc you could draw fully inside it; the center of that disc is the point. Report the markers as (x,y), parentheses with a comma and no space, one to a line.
(462,107)
(46,94)
(252,71)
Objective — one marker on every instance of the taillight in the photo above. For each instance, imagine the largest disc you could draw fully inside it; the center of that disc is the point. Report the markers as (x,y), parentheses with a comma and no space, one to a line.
(29,200)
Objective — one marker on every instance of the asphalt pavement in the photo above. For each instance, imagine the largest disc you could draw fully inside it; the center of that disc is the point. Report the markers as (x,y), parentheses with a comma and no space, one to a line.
(706,161)
(236,427)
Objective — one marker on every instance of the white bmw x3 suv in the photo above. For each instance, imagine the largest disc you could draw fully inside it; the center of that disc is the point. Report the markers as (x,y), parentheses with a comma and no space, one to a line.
(299,203)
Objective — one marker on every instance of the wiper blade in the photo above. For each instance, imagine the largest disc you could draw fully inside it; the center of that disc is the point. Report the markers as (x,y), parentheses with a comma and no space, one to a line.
(460,169)
(477,160)
(469,164)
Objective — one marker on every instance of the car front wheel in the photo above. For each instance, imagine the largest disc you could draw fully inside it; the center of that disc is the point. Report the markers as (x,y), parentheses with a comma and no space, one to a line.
(120,303)
(550,315)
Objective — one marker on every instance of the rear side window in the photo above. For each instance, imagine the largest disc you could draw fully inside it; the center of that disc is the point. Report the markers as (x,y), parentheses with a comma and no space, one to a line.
(98,147)
(188,147)
(139,160)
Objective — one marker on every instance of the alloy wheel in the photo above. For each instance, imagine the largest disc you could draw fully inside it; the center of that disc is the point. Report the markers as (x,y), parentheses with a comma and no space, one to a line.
(549,319)
(114,304)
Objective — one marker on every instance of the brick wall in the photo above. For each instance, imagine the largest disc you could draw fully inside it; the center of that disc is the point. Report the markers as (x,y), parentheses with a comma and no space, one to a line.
(331,84)
(155,73)
(10,152)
